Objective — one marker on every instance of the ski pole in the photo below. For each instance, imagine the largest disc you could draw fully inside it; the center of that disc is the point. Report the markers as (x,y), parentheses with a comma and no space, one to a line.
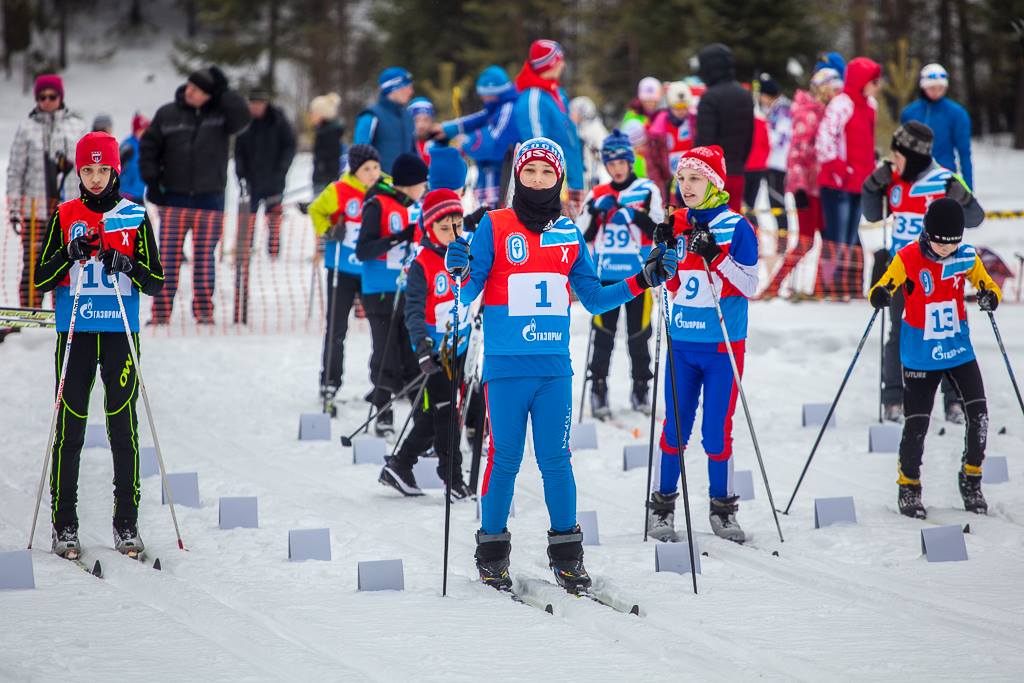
(329,355)
(881,329)
(654,412)
(346,440)
(453,429)
(149,410)
(679,445)
(408,419)
(56,404)
(832,408)
(743,396)
(1006,358)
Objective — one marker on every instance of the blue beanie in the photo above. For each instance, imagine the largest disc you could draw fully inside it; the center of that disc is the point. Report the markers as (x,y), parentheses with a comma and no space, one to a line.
(393,78)
(616,146)
(832,60)
(421,105)
(447,169)
(493,82)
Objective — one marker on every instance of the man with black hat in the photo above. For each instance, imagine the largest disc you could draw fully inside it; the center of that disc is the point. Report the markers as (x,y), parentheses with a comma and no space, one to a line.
(904,187)
(183,158)
(263,155)
(936,344)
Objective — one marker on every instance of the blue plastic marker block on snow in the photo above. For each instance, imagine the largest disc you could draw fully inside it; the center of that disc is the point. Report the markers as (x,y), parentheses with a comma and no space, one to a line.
(238,511)
(148,465)
(994,470)
(588,524)
(885,438)
(743,484)
(184,489)
(829,511)
(309,544)
(814,415)
(16,570)
(314,427)
(381,575)
(369,450)
(944,544)
(583,436)
(675,557)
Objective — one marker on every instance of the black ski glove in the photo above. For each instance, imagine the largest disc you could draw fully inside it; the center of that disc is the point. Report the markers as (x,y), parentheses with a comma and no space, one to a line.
(425,356)
(665,234)
(881,296)
(956,191)
(879,178)
(470,222)
(83,247)
(660,266)
(987,300)
(702,243)
(336,232)
(116,262)
(405,235)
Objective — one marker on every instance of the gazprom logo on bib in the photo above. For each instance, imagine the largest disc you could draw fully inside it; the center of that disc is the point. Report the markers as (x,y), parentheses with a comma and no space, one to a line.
(77,229)
(516,249)
(441,284)
(395,223)
(895,195)
(939,354)
(531,334)
(87,313)
(352,208)
(927,284)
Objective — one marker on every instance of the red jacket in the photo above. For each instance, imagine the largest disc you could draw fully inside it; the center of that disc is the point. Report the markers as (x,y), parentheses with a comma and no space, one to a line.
(760,146)
(846,137)
(802,164)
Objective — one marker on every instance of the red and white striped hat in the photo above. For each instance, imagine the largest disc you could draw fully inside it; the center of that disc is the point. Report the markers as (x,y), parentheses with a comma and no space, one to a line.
(708,161)
(438,204)
(544,54)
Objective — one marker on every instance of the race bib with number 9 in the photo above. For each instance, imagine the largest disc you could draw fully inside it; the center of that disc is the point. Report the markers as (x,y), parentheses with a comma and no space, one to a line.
(694,290)
(538,294)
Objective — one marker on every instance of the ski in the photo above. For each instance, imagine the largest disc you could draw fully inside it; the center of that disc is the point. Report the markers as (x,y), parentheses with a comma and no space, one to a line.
(599,594)
(523,599)
(95,570)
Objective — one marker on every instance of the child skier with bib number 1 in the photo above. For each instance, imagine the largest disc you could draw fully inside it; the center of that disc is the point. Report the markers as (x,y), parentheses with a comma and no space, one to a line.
(524,259)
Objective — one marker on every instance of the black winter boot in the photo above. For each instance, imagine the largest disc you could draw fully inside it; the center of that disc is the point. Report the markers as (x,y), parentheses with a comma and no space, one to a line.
(565,557)
(492,553)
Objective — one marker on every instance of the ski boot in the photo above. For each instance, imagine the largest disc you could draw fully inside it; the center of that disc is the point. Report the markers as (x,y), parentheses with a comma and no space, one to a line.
(126,538)
(65,541)
(384,424)
(661,513)
(492,552)
(397,473)
(910,501)
(955,413)
(970,491)
(893,412)
(599,400)
(327,394)
(723,519)
(459,489)
(640,397)
(565,557)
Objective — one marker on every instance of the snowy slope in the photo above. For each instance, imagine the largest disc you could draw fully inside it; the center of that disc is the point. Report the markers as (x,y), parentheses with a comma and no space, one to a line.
(844,603)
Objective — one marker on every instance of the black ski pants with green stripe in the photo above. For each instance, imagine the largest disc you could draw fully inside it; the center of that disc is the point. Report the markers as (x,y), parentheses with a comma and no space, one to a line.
(109,351)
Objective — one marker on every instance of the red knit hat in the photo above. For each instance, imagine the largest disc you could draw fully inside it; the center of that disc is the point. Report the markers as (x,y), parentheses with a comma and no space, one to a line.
(97,148)
(708,161)
(49,82)
(139,121)
(438,204)
(545,54)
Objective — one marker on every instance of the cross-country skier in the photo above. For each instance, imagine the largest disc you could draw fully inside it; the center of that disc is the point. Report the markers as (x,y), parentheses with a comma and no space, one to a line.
(524,260)
(337,215)
(909,183)
(721,240)
(105,241)
(429,297)
(936,342)
(619,218)
(386,239)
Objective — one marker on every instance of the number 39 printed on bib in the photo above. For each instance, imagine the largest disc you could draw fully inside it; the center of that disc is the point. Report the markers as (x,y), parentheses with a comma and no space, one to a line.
(941,320)
(538,294)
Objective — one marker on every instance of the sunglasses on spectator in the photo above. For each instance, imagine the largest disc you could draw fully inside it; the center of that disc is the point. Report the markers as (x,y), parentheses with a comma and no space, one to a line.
(47,97)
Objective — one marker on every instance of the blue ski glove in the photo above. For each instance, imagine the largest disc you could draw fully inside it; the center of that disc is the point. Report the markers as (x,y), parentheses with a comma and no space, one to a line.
(606,203)
(456,258)
(660,266)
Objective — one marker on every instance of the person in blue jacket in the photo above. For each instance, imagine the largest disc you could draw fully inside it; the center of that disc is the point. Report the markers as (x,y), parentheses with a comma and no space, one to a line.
(487,135)
(523,261)
(388,124)
(542,110)
(133,187)
(949,121)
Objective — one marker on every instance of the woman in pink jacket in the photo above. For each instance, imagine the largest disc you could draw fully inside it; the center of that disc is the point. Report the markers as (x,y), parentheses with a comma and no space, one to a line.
(846,155)
(802,167)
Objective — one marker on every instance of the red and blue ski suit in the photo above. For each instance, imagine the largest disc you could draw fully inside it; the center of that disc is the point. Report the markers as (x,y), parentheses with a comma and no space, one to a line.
(525,278)
(696,342)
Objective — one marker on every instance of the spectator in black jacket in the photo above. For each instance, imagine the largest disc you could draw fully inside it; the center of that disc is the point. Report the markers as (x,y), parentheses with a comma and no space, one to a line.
(725,116)
(327,146)
(263,155)
(183,158)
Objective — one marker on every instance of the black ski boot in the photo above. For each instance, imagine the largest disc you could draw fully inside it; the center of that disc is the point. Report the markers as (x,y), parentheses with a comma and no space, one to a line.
(397,473)
(65,541)
(723,519)
(384,424)
(970,491)
(565,557)
(640,397)
(910,501)
(599,400)
(126,538)
(661,513)
(327,395)
(492,552)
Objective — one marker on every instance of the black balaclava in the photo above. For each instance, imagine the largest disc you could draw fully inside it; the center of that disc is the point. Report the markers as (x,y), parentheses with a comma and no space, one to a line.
(630,179)
(107,199)
(537,209)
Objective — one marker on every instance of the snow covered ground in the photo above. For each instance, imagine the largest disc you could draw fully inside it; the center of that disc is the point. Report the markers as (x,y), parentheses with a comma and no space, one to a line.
(851,602)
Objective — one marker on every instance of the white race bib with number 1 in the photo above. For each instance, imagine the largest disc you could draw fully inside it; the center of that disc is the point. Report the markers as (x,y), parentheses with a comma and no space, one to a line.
(538,294)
